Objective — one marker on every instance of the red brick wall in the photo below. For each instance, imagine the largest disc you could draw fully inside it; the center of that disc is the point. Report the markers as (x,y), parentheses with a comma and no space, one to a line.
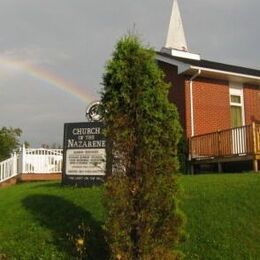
(40,177)
(176,93)
(211,105)
(252,103)
(210,97)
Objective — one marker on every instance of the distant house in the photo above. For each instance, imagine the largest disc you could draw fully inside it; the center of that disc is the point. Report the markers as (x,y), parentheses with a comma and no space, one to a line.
(219,104)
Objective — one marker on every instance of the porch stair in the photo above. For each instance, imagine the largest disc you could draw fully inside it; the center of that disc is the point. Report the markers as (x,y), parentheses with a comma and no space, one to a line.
(11,181)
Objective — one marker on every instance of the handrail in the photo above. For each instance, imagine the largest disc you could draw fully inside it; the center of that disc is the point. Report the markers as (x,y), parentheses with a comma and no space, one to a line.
(8,168)
(224,143)
(43,151)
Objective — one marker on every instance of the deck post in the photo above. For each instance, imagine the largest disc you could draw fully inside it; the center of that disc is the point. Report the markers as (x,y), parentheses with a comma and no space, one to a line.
(254,138)
(22,159)
(255,164)
(191,169)
(191,166)
(219,167)
(219,142)
(14,170)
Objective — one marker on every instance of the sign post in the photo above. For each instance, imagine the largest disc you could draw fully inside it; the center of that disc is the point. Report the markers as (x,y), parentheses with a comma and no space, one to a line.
(84,154)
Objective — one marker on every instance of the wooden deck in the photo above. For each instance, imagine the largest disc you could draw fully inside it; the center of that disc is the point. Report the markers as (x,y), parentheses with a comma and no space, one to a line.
(236,144)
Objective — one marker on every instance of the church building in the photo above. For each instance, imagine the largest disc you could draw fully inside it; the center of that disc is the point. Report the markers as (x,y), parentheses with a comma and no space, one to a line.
(218,103)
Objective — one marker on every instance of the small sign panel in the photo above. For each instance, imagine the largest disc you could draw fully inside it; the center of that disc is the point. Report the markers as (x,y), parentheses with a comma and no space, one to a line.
(80,161)
(84,154)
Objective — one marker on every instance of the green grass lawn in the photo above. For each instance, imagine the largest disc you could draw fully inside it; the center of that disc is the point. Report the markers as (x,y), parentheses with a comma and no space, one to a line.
(37,220)
(223,216)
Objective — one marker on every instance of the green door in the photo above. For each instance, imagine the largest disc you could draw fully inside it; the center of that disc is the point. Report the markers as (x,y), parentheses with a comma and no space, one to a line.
(236,116)
(238,133)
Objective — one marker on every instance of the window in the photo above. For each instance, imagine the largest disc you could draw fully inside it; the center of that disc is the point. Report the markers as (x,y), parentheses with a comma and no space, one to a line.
(235,99)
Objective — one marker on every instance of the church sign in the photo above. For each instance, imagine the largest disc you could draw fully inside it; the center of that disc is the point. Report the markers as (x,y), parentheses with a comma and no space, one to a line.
(84,153)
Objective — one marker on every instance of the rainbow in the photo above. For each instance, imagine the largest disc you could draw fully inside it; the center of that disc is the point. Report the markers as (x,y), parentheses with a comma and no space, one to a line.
(48,77)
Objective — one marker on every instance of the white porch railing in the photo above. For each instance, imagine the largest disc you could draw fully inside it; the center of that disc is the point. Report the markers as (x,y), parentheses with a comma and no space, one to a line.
(40,160)
(29,160)
(8,168)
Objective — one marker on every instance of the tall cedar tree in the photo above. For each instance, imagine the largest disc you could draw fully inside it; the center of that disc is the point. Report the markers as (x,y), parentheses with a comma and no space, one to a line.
(143,132)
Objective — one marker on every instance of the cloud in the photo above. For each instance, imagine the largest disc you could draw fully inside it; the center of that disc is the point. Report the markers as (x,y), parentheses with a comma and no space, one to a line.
(33,55)
(36,55)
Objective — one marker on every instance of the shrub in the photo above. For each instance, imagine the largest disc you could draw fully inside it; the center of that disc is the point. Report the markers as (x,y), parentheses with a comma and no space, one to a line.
(143,132)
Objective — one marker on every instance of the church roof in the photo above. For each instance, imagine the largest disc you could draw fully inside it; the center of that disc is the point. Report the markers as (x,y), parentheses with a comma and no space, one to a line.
(213,65)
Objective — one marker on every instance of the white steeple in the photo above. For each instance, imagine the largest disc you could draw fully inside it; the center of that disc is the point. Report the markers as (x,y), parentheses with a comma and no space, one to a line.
(176,37)
(176,44)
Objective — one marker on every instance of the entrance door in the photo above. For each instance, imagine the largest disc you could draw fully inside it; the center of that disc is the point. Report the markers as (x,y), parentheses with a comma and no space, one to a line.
(237,118)
(236,111)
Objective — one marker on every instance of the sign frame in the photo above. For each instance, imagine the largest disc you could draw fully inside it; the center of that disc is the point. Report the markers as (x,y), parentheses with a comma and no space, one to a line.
(86,144)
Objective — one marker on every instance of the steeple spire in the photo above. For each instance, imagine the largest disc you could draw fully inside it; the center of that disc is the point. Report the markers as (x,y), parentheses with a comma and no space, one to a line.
(176,44)
(176,37)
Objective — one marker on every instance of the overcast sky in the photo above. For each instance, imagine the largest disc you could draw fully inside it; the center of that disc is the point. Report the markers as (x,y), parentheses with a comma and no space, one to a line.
(73,39)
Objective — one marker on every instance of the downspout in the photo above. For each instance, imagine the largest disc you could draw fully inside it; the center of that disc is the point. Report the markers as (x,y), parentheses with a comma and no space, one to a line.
(191,101)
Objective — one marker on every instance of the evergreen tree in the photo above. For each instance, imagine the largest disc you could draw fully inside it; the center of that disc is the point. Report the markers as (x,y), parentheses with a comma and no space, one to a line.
(143,132)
